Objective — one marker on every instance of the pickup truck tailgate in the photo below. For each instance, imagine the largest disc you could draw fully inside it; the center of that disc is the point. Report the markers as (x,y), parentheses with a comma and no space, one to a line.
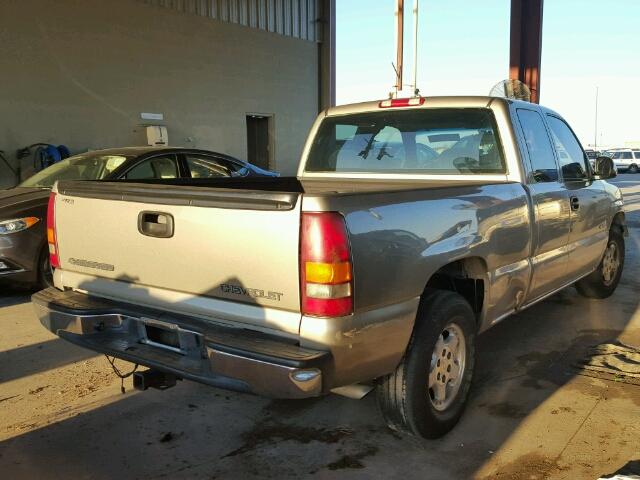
(181,241)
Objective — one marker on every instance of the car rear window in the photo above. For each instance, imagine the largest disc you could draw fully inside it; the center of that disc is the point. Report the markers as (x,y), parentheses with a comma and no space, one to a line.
(87,166)
(430,141)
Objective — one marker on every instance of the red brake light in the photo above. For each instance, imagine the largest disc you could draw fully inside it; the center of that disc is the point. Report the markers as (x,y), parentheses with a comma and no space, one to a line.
(52,238)
(401,102)
(326,286)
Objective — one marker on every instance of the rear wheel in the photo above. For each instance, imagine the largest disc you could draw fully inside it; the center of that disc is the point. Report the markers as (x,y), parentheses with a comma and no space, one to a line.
(604,279)
(427,393)
(633,169)
(45,272)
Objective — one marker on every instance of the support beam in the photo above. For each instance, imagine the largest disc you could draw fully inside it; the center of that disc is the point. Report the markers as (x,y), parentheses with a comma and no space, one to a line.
(526,44)
(327,55)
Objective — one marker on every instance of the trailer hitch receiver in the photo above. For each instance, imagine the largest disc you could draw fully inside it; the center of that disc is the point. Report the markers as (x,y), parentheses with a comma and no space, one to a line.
(154,379)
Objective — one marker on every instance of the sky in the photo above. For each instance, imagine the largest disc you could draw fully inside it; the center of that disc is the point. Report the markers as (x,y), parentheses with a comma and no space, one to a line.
(463,49)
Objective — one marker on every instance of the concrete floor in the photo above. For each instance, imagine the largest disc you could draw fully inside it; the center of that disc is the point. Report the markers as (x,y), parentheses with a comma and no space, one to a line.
(531,416)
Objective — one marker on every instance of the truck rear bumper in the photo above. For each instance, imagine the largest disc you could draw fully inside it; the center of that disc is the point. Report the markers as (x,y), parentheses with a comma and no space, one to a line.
(191,348)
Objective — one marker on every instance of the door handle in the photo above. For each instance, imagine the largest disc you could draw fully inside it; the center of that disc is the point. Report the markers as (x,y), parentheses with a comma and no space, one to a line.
(155,224)
(575,203)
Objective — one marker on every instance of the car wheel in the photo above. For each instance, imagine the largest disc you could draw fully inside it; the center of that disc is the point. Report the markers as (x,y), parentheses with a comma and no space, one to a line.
(602,282)
(45,272)
(427,393)
(632,169)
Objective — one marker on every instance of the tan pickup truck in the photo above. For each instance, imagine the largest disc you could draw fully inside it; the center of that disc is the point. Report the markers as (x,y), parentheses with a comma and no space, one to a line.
(413,225)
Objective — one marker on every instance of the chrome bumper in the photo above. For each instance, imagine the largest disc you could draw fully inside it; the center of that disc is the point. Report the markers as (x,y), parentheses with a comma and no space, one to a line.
(199,350)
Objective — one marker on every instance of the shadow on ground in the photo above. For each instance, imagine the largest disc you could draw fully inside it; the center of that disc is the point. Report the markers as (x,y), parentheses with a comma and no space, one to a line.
(39,357)
(11,295)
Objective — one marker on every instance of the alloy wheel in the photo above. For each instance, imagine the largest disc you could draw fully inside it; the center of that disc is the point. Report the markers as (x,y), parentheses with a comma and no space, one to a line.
(610,263)
(447,367)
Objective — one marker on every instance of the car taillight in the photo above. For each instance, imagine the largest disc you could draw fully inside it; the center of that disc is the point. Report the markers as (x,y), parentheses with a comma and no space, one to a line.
(52,239)
(326,278)
(401,102)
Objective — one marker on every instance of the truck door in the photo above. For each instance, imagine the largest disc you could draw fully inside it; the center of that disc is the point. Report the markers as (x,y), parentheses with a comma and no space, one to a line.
(589,204)
(550,203)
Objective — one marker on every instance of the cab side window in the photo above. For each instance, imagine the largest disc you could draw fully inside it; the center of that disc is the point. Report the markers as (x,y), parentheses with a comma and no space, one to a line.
(571,157)
(543,162)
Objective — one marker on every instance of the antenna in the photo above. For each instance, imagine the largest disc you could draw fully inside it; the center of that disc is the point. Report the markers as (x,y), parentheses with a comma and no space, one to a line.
(595,143)
(416,91)
(398,67)
(399,14)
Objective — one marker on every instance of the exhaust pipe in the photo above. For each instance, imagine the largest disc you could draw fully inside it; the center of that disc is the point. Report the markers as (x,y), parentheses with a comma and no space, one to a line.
(154,379)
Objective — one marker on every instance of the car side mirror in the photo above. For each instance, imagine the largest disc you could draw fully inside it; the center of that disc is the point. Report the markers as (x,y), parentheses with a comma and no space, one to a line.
(605,168)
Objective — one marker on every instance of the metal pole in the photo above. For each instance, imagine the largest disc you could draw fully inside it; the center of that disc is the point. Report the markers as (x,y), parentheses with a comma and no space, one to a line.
(327,55)
(595,144)
(415,48)
(399,43)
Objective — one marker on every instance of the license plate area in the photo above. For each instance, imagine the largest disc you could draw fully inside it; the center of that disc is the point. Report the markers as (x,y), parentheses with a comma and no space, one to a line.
(169,336)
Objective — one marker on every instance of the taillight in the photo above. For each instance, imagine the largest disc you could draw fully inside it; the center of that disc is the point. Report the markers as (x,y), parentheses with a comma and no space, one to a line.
(401,102)
(326,278)
(52,239)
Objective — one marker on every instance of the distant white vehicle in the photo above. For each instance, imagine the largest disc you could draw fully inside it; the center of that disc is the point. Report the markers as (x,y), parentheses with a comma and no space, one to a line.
(626,159)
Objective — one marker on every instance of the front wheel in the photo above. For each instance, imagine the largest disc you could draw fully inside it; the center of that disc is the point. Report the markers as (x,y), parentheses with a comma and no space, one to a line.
(427,393)
(602,282)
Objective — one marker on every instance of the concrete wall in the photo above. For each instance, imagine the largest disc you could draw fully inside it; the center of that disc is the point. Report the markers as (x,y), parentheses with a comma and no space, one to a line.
(80,72)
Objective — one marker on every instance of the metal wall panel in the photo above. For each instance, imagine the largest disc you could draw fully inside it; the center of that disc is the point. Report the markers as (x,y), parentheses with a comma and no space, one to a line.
(293,18)
(278,9)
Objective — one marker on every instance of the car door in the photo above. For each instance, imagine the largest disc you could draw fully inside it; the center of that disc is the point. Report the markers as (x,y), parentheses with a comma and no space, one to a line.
(550,204)
(587,197)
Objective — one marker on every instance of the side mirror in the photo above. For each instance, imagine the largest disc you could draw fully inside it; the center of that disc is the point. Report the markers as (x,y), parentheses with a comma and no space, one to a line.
(605,168)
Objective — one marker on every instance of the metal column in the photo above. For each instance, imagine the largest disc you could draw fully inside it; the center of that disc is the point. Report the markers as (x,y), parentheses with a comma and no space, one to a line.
(327,55)
(399,44)
(526,44)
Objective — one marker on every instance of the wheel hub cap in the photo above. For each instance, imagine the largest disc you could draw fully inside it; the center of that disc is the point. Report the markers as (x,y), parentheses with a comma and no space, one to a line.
(447,367)
(610,263)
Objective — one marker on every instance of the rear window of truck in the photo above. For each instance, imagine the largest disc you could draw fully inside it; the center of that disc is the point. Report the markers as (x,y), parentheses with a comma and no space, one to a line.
(430,141)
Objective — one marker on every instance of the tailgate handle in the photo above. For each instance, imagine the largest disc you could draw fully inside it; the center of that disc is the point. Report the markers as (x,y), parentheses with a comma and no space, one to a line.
(155,224)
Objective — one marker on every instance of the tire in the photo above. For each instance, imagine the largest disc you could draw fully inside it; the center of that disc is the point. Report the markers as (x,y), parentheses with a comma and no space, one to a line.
(602,282)
(632,169)
(45,274)
(406,397)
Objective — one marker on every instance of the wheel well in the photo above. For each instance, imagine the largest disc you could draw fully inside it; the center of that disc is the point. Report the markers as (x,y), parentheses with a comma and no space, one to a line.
(465,277)
(619,222)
